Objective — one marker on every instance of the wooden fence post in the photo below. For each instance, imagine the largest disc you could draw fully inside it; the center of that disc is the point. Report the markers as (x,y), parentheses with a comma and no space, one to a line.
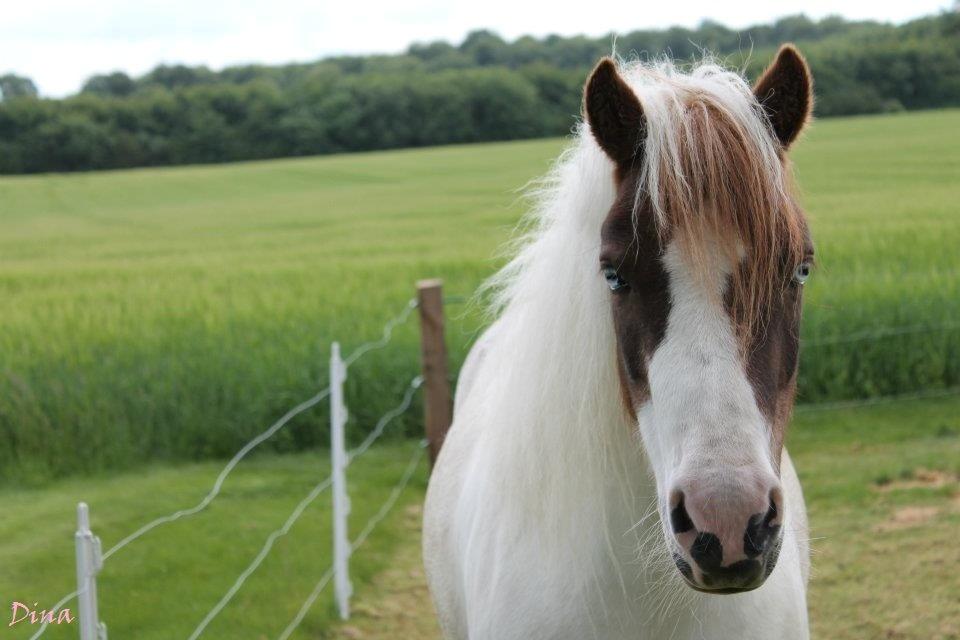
(433,349)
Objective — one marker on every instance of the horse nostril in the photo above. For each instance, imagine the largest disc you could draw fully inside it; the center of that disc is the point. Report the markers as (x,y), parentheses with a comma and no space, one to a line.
(679,518)
(707,551)
(761,529)
(772,510)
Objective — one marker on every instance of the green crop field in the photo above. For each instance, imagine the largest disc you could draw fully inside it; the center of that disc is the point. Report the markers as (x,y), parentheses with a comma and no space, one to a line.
(170,314)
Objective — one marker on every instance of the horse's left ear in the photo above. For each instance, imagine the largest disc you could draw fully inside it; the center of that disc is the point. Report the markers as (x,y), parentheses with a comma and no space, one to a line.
(786,92)
(614,113)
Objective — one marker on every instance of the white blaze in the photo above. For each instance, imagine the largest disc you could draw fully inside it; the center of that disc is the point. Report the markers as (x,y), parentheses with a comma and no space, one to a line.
(702,415)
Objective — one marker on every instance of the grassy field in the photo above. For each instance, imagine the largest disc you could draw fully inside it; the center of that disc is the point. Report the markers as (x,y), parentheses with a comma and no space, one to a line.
(163,585)
(171,314)
(882,485)
(168,315)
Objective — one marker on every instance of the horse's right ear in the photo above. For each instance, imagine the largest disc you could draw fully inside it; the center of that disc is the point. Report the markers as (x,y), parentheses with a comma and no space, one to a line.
(614,113)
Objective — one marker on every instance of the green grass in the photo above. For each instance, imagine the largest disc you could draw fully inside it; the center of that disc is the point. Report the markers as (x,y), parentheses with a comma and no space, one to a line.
(882,487)
(871,580)
(163,585)
(877,574)
(171,314)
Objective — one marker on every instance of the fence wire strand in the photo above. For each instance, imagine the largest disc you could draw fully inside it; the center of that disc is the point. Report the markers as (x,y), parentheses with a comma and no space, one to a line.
(67,598)
(869,402)
(375,434)
(378,430)
(385,420)
(387,334)
(392,500)
(266,435)
(873,334)
(360,539)
(218,484)
(305,607)
(247,448)
(261,555)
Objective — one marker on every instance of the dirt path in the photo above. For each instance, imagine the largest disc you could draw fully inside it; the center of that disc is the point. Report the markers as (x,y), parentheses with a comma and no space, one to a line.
(396,605)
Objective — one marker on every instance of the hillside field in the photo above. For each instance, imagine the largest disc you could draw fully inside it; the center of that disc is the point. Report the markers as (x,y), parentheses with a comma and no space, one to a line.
(171,314)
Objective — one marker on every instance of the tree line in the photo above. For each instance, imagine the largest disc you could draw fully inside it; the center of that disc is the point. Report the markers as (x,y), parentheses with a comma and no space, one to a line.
(483,89)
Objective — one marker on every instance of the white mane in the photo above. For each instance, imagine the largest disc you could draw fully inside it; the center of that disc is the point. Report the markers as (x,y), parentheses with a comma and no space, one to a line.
(563,456)
(558,402)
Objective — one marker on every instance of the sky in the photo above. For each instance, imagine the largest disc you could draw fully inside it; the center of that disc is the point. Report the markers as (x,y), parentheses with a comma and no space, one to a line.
(60,43)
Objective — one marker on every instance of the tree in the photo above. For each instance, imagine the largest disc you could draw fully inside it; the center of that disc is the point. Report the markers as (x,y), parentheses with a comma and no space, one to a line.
(116,84)
(14,86)
(485,47)
(436,93)
(175,76)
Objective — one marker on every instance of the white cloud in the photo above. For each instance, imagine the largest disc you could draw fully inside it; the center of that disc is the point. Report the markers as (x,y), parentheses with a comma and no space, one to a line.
(59,43)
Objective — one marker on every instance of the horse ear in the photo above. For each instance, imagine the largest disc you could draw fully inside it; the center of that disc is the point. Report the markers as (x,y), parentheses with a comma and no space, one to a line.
(786,92)
(613,112)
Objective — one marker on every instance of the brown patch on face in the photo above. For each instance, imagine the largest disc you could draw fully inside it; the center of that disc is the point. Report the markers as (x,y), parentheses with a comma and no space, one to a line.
(627,393)
(631,243)
(771,349)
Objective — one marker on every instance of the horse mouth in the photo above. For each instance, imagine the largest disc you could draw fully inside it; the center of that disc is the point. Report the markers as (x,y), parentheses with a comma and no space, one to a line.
(741,577)
(721,592)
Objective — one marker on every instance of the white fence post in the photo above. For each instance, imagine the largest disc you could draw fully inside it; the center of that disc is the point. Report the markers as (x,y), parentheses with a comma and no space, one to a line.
(341,502)
(89,563)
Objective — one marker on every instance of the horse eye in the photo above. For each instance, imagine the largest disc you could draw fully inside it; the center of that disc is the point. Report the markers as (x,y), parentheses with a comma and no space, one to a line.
(614,281)
(802,273)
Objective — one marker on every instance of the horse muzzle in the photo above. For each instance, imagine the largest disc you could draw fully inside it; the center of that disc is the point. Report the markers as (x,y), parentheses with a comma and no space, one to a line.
(738,577)
(726,544)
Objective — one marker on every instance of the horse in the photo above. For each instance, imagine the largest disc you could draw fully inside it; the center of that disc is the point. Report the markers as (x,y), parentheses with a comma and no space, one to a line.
(616,467)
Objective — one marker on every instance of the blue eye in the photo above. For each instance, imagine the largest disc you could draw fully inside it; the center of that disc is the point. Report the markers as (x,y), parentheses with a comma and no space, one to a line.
(802,273)
(614,281)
